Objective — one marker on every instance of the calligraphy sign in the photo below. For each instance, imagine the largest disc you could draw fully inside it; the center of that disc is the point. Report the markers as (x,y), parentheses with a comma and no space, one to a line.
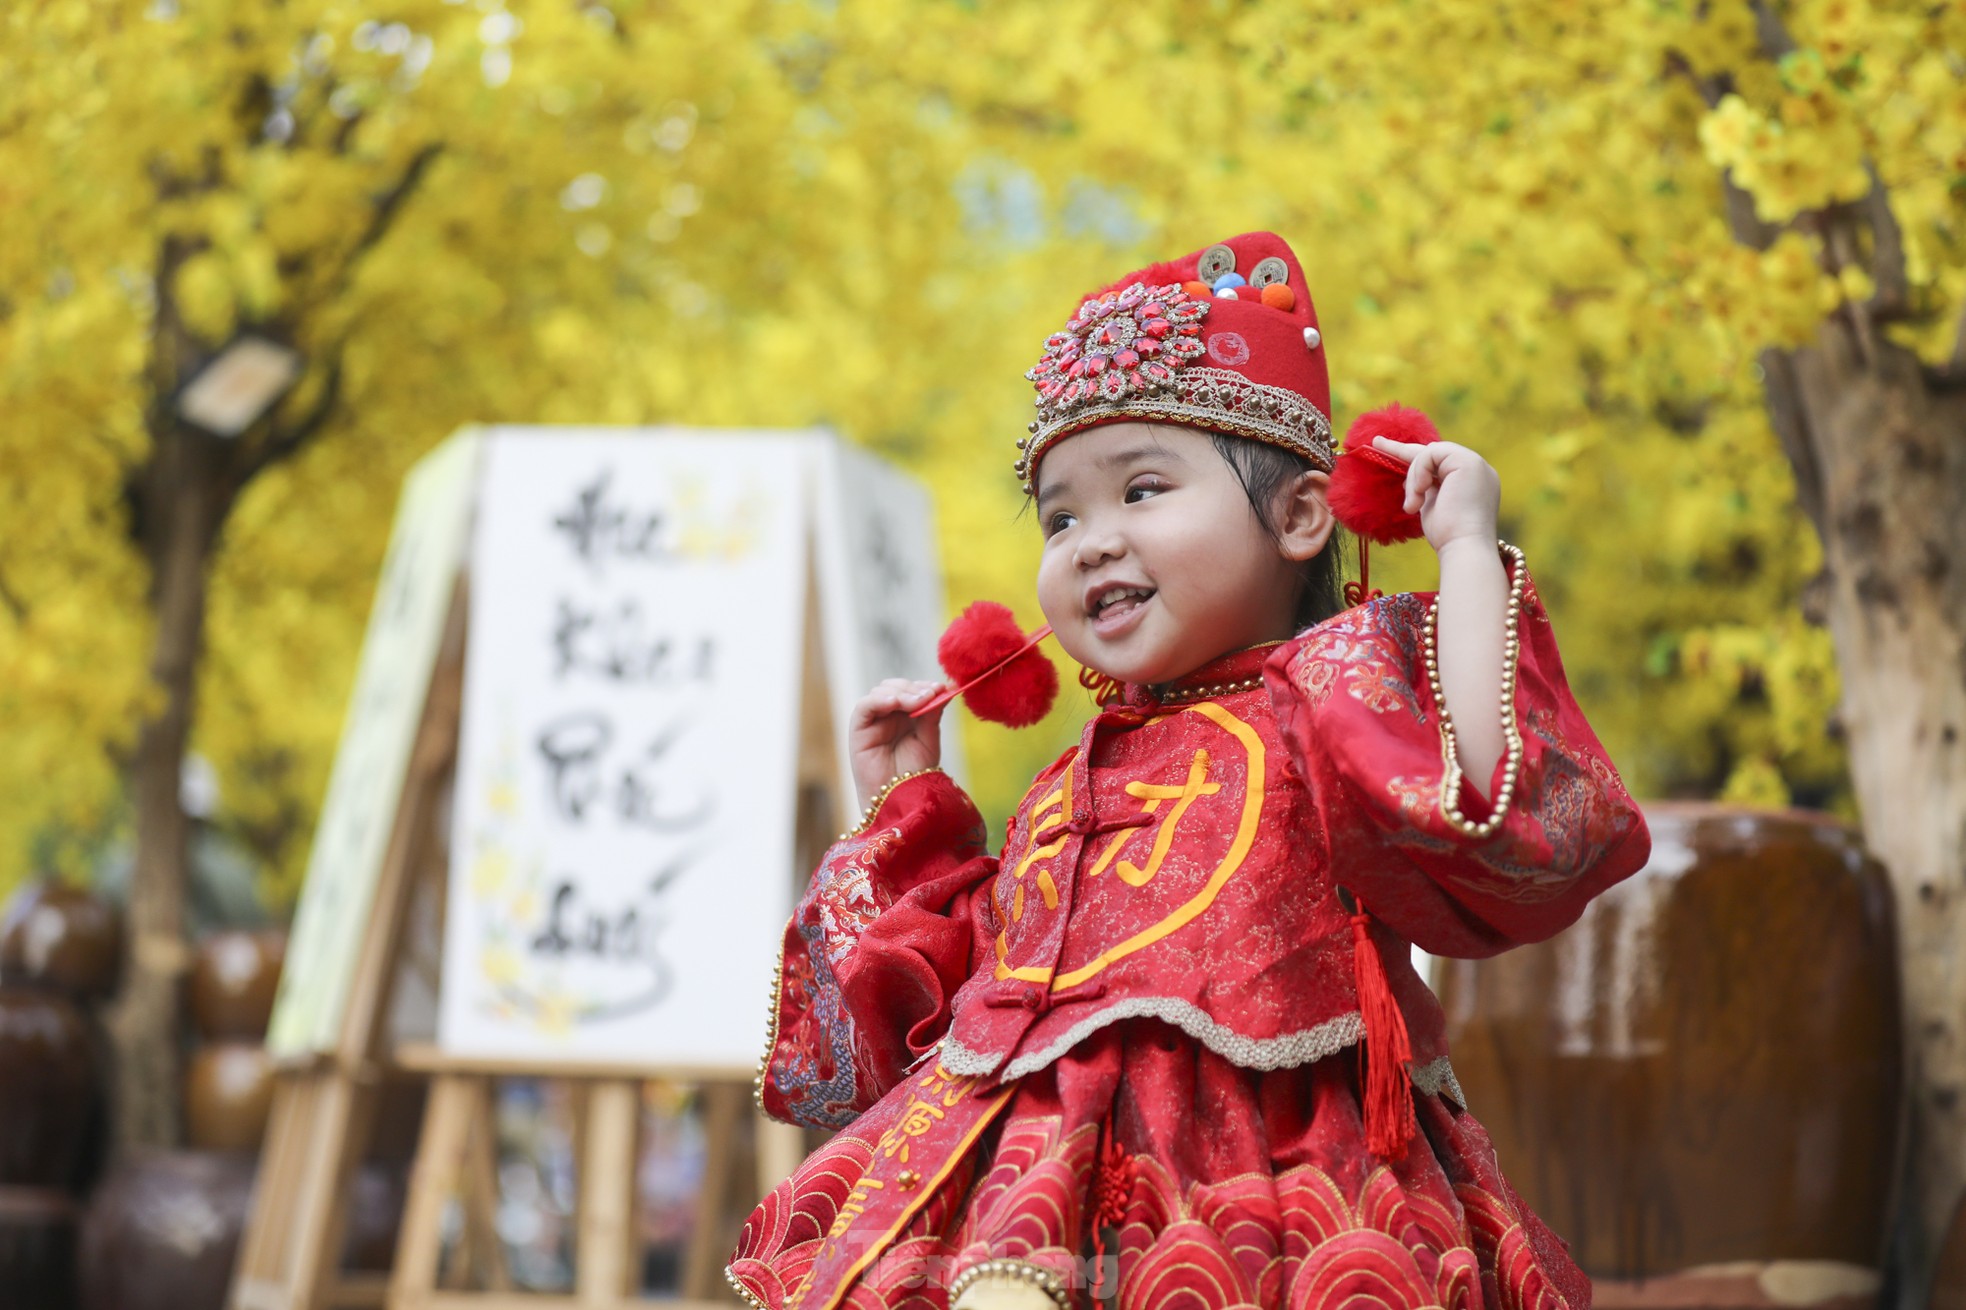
(399,653)
(622,830)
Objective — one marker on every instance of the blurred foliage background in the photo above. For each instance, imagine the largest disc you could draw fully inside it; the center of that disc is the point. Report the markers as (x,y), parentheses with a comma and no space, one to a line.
(868,215)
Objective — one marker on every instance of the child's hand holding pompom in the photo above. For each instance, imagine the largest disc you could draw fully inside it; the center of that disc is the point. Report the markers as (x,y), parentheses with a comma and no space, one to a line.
(1456,492)
(885,740)
(1397,480)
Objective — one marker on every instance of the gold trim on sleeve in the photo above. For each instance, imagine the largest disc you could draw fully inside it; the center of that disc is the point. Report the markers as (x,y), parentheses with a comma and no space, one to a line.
(1450,783)
(771,1035)
(866,820)
(743,1292)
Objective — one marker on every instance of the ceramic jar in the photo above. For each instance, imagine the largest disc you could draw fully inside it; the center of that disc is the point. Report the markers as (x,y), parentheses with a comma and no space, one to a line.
(1705,1070)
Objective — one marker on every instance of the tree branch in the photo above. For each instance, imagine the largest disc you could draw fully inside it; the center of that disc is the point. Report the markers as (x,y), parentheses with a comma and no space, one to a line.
(11,599)
(283,443)
(1768,29)
(1742,221)
(1790,419)
(1951,376)
(391,202)
(1892,299)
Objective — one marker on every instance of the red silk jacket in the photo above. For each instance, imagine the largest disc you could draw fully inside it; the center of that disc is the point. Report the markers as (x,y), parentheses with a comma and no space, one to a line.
(1184,862)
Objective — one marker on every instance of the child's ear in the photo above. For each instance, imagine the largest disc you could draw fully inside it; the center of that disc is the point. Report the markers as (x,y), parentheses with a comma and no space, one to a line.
(1304,519)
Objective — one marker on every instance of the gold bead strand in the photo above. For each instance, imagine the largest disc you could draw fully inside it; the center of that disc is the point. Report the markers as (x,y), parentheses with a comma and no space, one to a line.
(1450,786)
(1211,692)
(771,1034)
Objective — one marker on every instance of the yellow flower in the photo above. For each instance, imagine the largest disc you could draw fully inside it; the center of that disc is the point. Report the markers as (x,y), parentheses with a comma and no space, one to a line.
(553,1013)
(489,872)
(500,965)
(1726,131)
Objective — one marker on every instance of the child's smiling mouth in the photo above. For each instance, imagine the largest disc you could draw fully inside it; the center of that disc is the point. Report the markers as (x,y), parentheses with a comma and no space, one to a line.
(1114,608)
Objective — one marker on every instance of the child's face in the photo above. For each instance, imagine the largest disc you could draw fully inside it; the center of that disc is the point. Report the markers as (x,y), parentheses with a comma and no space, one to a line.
(1154,562)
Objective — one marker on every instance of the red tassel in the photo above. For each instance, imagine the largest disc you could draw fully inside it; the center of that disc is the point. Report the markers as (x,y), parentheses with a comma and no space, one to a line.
(1105,689)
(1386,1050)
(1357,593)
(1112,1189)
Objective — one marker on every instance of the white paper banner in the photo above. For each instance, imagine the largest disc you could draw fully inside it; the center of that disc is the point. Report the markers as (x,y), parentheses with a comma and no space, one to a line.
(622,837)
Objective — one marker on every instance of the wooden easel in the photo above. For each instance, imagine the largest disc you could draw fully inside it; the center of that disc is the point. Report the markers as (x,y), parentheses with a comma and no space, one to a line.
(455,1158)
(324,1108)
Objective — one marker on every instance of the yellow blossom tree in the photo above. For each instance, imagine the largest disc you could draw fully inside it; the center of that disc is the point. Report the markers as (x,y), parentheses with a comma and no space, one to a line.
(1690,274)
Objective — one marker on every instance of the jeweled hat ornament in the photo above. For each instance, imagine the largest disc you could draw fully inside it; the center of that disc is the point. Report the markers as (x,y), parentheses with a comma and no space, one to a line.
(1225,340)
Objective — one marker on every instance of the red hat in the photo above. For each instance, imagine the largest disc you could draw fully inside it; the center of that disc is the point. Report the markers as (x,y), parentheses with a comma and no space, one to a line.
(1225,340)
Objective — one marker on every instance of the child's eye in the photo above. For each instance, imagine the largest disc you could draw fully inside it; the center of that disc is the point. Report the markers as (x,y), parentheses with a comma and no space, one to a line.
(1058,522)
(1143,489)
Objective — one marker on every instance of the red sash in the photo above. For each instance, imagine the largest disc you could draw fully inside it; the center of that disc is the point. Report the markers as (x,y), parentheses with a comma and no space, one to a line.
(939,1120)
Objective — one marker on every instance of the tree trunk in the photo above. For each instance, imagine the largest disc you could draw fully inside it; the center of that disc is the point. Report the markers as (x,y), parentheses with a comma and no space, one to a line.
(1880,460)
(181,497)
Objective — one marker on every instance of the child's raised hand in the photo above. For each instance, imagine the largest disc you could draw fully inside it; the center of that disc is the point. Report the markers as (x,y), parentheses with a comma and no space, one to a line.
(1456,492)
(884,742)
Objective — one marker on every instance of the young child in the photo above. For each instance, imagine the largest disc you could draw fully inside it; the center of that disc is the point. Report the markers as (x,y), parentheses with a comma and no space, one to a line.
(1167,1049)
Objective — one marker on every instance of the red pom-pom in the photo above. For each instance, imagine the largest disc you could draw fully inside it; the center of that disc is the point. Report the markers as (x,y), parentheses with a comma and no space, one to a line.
(982,637)
(1368,486)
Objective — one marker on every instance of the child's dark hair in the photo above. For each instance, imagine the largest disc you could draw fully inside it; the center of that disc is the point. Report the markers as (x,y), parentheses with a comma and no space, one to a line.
(1265,471)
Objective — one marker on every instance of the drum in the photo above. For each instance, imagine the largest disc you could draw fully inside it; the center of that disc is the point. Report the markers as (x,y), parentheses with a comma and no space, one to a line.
(1706,1069)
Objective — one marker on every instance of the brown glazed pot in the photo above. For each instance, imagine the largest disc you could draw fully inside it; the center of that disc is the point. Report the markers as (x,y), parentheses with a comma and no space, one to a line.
(47,1095)
(37,1254)
(1706,1068)
(228,1094)
(47,1087)
(162,1231)
(62,937)
(233,980)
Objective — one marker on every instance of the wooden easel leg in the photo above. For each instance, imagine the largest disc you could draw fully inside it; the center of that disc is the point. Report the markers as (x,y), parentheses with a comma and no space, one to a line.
(265,1249)
(483,1252)
(606,1268)
(290,1253)
(703,1266)
(447,1124)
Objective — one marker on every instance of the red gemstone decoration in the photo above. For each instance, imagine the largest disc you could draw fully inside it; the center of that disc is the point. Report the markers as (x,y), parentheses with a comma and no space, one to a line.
(1125,344)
